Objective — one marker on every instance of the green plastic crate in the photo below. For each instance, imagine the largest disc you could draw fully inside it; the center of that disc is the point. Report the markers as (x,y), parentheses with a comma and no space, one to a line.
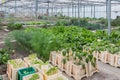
(25,72)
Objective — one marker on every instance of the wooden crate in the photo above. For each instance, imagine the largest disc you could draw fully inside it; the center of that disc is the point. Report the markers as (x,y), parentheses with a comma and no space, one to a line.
(28,61)
(53,58)
(12,72)
(59,61)
(66,67)
(77,72)
(30,64)
(29,76)
(103,56)
(44,67)
(96,54)
(117,61)
(111,59)
(92,69)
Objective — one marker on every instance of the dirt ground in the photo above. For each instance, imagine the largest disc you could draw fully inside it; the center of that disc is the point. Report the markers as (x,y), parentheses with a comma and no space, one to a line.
(3,34)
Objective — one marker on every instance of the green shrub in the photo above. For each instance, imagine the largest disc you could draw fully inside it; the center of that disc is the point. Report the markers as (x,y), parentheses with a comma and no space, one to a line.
(43,41)
(62,23)
(14,26)
(115,22)
(4,56)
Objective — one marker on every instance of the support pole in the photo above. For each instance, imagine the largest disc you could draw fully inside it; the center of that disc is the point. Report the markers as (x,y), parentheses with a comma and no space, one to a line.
(84,11)
(94,11)
(72,9)
(79,11)
(109,15)
(75,11)
(68,11)
(91,11)
(36,9)
(15,7)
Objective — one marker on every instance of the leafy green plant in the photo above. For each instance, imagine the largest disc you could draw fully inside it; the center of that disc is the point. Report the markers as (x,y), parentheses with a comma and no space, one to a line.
(35,77)
(52,71)
(64,60)
(14,26)
(4,56)
(18,65)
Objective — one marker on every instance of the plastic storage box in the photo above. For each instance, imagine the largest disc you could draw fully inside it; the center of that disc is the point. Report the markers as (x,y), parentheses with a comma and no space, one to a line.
(25,72)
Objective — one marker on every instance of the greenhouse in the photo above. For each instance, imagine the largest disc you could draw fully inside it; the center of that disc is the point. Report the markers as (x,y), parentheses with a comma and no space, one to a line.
(59,39)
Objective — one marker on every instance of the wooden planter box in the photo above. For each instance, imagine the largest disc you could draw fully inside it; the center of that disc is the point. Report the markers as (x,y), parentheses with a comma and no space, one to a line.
(44,67)
(96,54)
(103,56)
(48,77)
(53,76)
(117,61)
(92,69)
(28,61)
(53,58)
(66,67)
(12,72)
(77,72)
(111,59)
(59,62)
(29,76)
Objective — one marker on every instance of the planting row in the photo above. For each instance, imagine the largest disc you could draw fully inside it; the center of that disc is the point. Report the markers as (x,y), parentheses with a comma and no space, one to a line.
(76,65)
(106,57)
(32,68)
(43,41)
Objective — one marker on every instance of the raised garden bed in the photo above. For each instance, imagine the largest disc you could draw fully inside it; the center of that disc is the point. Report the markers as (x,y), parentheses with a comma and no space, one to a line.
(13,66)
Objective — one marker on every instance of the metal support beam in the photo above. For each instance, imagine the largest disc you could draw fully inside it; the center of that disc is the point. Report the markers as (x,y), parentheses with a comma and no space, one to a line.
(79,11)
(15,7)
(94,11)
(68,11)
(108,7)
(36,8)
(91,12)
(84,11)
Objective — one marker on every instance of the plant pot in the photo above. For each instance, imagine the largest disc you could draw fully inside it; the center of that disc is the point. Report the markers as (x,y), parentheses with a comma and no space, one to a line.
(117,60)
(77,72)
(92,69)
(111,59)
(12,71)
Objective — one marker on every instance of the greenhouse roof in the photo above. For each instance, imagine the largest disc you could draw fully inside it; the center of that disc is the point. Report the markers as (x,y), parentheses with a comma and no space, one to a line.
(44,3)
